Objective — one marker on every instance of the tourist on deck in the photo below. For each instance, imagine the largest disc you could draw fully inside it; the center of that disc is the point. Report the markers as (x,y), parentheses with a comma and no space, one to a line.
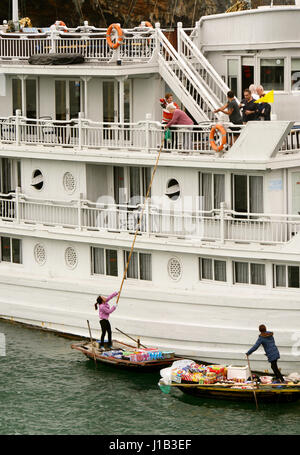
(249,108)
(264,109)
(231,108)
(253,90)
(180,118)
(266,339)
(168,99)
(104,312)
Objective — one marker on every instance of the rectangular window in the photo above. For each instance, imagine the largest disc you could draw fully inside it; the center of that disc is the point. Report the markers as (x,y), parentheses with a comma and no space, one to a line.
(272,73)
(11,250)
(233,74)
(140,266)
(249,273)
(31,111)
(104,261)
(212,269)
(286,276)
(248,194)
(212,191)
(295,73)
(17,95)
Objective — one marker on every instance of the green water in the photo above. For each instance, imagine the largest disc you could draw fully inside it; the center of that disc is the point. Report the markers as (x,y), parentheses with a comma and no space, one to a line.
(47,388)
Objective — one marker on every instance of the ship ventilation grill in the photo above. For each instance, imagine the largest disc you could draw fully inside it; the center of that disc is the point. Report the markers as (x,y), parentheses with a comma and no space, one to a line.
(175,269)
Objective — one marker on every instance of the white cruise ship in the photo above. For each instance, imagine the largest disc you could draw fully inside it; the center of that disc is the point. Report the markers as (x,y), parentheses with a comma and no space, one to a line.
(218,251)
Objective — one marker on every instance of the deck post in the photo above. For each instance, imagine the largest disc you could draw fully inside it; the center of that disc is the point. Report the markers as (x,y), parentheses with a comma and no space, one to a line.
(18,115)
(222,222)
(79,212)
(179,41)
(80,135)
(17,202)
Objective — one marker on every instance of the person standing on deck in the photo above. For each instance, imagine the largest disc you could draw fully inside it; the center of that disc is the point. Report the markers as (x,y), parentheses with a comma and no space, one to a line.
(266,339)
(168,99)
(249,108)
(180,118)
(264,109)
(231,108)
(104,312)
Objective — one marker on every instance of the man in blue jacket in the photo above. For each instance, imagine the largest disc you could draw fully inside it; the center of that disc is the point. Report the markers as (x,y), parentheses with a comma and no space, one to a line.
(266,339)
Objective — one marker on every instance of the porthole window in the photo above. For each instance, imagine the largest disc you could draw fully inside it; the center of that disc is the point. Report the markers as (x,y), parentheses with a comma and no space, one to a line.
(71,257)
(173,189)
(40,254)
(175,269)
(69,182)
(37,180)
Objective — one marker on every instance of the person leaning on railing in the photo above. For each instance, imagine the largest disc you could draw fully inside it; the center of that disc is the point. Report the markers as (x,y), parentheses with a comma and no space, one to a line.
(180,118)
(231,108)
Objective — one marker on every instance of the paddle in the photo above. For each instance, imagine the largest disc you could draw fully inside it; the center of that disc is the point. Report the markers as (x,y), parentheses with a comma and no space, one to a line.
(136,341)
(255,397)
(88,323)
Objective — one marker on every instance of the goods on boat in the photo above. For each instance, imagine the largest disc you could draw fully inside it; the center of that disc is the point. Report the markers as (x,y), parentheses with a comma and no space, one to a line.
(213,381)
(125,355)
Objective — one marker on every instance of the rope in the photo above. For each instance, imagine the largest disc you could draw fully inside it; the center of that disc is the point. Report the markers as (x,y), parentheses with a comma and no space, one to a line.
(140,220)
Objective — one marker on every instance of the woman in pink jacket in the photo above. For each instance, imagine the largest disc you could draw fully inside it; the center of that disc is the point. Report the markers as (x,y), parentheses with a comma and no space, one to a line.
(104,312)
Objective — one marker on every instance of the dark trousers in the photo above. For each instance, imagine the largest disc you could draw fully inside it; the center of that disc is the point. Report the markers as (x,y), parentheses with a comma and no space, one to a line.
(105,327)
(276,370)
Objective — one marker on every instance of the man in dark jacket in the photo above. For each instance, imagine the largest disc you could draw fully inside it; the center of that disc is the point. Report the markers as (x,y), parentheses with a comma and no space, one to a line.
(266,339)
(264,109)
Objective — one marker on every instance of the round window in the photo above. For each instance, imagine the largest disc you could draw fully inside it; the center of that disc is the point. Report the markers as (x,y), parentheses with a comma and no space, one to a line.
(69,182)
(37,180)
(40,254)
(71,257)
(175,269)
(173,190)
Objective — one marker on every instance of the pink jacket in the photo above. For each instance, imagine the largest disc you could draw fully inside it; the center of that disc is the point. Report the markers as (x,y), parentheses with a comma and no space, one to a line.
(180,118)
(104,308)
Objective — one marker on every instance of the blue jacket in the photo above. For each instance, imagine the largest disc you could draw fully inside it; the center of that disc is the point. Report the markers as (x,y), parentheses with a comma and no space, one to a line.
(267,341)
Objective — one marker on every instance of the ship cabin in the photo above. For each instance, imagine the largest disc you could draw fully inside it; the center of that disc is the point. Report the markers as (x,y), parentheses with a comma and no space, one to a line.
(79,142)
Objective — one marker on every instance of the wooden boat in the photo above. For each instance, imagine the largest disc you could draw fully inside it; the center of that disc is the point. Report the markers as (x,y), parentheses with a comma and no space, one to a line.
(265,393)
(91,351)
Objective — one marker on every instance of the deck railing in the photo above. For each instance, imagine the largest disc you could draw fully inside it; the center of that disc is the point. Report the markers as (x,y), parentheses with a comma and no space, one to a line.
(220,225)
(138,45)
(82,134)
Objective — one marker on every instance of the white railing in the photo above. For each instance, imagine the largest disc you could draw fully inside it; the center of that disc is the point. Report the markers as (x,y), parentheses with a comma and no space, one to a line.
(292,140)
(84,134)
(183,82)
(138,45)
(201,67)
(216,225)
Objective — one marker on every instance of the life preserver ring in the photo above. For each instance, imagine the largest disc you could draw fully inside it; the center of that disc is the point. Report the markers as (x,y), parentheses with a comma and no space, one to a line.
(147,24)
(120,36)
(214,146)
(62,24)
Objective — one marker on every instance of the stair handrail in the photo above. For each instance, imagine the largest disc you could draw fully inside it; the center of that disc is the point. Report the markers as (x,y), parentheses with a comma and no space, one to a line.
(202,60)
(185,69)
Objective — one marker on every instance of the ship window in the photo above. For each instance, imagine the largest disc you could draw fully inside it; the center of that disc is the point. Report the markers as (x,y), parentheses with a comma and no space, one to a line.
(245,273)
(11,250)
(211,190)
(295,73)
(140,266)
(17,95)
(286,276)
(104,261)
(272,73)
(248,194)
(37,179)
(173,189)
(212,269)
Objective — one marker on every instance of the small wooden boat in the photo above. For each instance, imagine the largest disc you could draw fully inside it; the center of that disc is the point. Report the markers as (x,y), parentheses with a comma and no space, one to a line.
(265,393)
(90,350)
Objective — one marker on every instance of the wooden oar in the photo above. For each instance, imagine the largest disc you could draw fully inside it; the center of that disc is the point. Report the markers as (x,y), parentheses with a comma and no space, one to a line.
(93,349)
(136,341)
(255,397)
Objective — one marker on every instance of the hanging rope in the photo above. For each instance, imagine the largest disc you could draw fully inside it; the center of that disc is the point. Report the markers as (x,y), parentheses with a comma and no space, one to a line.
(140,220)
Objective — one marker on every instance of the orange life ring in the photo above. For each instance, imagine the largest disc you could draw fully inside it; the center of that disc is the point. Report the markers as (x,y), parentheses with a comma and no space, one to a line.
(214,146)
(147,24)
(62,24)
(120,36)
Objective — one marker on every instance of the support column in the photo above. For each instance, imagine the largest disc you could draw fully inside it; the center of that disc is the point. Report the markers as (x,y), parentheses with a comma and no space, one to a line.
(121,80)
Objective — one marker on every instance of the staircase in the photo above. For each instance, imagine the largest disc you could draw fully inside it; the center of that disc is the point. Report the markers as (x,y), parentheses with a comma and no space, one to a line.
(191,77)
